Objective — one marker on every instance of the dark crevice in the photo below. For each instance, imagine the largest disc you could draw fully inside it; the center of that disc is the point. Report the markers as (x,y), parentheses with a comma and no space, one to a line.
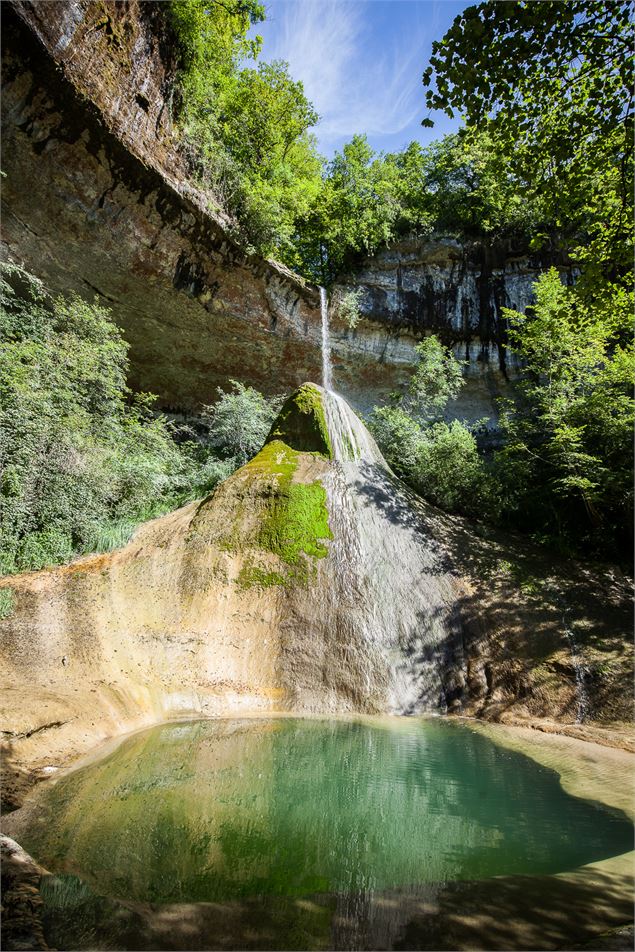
(36,730)
(94,288)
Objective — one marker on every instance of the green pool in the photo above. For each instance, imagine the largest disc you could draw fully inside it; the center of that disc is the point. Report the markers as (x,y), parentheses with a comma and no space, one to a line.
(281,812)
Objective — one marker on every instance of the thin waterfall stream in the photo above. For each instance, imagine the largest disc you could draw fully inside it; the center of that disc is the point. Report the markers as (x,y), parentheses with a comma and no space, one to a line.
(582,699)
(327,370)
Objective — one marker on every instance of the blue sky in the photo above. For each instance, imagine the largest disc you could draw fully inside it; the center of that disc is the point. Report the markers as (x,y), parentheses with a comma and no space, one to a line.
(361,63)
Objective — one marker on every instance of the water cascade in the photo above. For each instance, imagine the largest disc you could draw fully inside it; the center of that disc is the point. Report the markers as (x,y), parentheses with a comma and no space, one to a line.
(582,700)
(327,370)
(385,603)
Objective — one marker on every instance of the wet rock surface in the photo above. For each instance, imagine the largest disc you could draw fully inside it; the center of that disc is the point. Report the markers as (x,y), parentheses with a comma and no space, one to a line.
(457,290)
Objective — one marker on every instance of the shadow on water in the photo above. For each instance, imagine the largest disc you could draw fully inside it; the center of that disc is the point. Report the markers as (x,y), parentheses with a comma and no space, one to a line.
(525,913)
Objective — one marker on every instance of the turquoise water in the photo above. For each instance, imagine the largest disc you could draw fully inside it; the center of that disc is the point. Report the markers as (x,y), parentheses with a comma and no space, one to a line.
(224,810)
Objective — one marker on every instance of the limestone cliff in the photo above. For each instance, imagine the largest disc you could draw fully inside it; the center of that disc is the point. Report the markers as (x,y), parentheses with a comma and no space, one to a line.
(98,198)
(456,290)
(310,580)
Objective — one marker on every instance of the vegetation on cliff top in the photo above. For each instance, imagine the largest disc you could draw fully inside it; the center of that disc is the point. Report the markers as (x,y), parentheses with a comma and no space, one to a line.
(245,126)
(246,129)
(551,85)
(545,155)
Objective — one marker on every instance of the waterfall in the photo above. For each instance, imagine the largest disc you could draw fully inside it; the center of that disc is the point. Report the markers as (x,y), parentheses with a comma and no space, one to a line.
(582,698)
(387,598)
(349,437)
(326,346)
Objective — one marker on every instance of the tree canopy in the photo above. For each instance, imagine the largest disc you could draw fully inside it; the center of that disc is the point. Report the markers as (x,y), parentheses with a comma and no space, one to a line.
(551,83)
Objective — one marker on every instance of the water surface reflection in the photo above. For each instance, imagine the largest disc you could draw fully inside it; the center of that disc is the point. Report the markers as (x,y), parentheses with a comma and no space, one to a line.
(289,833)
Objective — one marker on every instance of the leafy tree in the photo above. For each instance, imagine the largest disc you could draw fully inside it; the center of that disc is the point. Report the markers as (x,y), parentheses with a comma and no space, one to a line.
(439,460)
(245,128)
(569,433)
(347,307)
(470,189)
(265,122)
(437,378)
(353,214)
(551,84)
(82,460)
(240,421)
(212,37)
(73,452)
(399,437)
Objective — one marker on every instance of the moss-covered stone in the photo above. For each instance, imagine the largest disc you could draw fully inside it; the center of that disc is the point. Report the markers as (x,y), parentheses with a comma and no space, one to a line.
(301,423)
(293,523)
(274,459)
(258,577)
(297,523)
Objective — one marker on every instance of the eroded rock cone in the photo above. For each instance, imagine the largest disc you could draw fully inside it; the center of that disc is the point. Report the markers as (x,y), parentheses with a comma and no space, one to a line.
(310,580)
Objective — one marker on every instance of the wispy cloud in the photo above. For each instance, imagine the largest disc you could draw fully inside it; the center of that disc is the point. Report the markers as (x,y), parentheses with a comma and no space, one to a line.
(359,81)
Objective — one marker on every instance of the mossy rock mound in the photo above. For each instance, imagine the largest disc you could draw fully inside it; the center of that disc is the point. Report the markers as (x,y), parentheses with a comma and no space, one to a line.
(288,521)
(301,423)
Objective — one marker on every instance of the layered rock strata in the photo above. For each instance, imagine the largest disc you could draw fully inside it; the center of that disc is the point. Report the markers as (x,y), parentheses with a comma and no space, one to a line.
(98,199)
(457,290)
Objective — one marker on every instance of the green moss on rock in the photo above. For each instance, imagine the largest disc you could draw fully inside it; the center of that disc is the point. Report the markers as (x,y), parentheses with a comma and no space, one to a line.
(297,523)
(274,459)
(254,575)
(301,423)
(294,522)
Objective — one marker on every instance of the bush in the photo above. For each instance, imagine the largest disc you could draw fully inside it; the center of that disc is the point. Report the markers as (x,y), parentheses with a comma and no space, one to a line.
(240,422)
(82,460)
(348,308)
(439,460)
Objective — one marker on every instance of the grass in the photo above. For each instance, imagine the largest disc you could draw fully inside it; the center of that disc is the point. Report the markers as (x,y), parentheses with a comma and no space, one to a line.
(7,602)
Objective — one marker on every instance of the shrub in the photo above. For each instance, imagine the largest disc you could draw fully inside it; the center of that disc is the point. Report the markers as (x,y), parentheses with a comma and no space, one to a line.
(82,460)
(439,460)
(348,307)
(240,422)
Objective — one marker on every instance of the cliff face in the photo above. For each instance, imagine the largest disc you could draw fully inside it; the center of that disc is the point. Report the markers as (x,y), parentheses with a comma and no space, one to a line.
(455,290)
(97,198)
